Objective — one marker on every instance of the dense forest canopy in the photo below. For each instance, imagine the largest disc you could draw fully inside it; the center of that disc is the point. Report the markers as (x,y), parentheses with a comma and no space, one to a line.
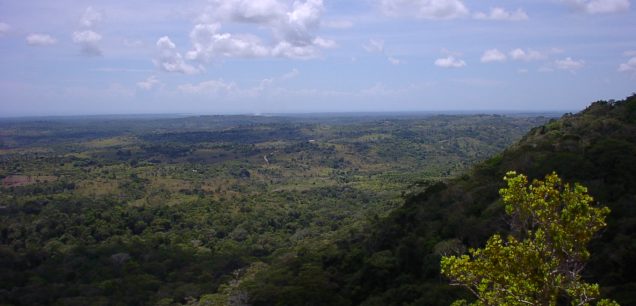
(395,260)
(146,211)
(291,211)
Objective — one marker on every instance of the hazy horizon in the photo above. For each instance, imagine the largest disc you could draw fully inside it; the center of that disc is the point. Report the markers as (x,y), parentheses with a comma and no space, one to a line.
(551,113)
(204,57)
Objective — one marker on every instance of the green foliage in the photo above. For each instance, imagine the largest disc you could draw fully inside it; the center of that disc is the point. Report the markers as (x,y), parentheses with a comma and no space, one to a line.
(168,211)
(180,210)
(540,263)
(460,213)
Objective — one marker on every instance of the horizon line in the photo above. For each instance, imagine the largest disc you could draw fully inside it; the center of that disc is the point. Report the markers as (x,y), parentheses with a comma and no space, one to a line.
(300,113)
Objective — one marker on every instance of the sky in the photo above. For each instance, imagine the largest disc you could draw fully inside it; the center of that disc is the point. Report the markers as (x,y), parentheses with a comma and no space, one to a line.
(69,57)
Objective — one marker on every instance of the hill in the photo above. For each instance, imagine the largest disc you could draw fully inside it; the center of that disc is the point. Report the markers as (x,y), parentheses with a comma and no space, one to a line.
(395,260)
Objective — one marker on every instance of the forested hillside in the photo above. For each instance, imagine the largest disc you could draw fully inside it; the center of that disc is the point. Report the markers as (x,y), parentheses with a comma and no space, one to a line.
(168,211)
(395,260)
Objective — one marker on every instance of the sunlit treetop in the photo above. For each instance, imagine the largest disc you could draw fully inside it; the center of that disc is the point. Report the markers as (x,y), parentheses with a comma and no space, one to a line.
(540,262)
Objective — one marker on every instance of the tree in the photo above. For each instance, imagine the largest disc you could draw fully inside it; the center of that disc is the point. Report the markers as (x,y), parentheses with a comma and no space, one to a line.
(541,260)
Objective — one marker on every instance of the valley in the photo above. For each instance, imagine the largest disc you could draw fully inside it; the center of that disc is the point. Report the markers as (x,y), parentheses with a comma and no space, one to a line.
(169,210)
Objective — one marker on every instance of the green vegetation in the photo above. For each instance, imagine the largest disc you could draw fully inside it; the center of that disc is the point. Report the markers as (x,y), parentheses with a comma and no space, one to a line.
(394,260)
(301,210)
(165,211)
(540,262)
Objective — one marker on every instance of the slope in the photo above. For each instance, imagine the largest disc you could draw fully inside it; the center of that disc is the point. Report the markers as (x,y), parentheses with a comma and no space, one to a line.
(395,260)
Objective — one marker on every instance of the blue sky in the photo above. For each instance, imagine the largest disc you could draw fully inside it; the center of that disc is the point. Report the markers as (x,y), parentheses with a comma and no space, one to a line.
(270,56)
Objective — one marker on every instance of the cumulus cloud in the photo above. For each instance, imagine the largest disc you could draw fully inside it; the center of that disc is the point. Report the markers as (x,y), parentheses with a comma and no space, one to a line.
(248,11)
(90,17)
(149,83)
(300,22)
(424,9)
(208,44)
(212,87)
(629,66)
(324,43)
(569,64)
(493,55)
(293,30)
(170,60)
(89,41)
(308,51)
(526,55)
(86,37)
(287,49)
(599,6)
(40,39)
(4,28)
(450,62)
(292,25)
(498,13)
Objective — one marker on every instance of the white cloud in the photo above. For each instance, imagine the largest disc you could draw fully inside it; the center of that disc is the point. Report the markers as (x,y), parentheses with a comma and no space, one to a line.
(374,45)
(287,49)
(324,43)
(569,64)
(247,11)
(208,44)
(526,55)
(149,83)
(300,22)
(450,62)
(212,87)
(290,75)
(86,37)
(493,55)
(88,40)
(395,61)
(170,60)
(424,9)
(4,28)
(40,39)
(377,46)
(629,66)
(292,27)
(599,6)
(90,17)
(498,13)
